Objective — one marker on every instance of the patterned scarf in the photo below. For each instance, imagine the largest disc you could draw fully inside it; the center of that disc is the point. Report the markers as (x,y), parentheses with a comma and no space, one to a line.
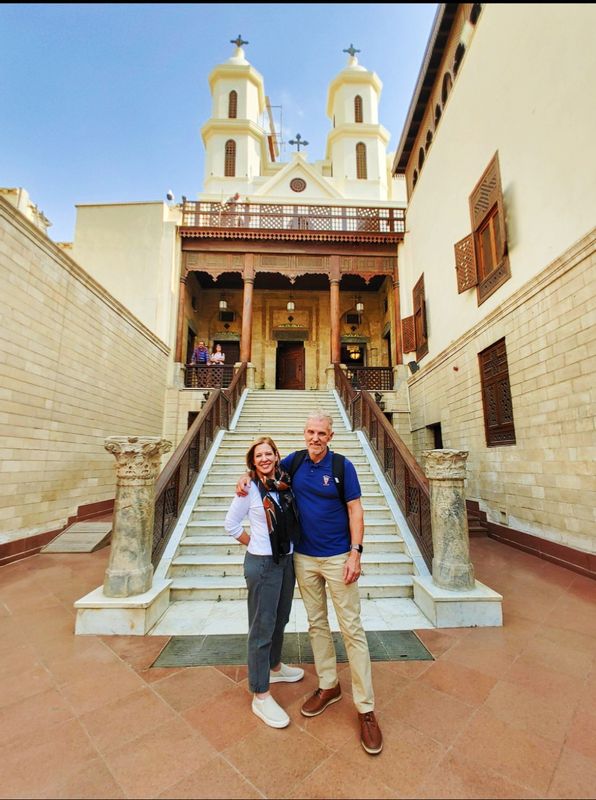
(282,519)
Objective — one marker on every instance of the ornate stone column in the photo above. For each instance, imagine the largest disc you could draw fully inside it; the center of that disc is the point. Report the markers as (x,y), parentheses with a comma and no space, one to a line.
(130,570)
(451,567)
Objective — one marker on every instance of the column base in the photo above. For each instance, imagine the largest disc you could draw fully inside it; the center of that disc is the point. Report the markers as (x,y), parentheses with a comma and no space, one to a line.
(468,608)
(122,616)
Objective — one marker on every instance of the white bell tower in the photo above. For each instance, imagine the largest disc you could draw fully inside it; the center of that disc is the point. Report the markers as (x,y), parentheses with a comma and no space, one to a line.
(235,143)
(357,143)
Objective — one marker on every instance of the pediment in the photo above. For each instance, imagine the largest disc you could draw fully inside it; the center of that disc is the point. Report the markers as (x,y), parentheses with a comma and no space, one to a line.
(297,173)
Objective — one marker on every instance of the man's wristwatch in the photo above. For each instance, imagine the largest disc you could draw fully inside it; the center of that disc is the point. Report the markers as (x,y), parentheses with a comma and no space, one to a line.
(357,547)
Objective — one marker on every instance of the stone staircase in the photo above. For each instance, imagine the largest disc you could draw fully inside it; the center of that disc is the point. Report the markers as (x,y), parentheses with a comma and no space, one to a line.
(208,564)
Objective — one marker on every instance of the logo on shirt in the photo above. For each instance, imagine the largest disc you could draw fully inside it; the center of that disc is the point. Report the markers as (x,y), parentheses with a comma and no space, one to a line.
(326,479)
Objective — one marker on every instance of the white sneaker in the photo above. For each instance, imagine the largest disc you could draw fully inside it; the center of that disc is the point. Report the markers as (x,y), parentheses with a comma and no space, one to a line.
(270,712)
(286,674)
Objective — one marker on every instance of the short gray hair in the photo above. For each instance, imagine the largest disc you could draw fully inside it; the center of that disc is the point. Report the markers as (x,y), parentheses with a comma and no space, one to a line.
(318,413)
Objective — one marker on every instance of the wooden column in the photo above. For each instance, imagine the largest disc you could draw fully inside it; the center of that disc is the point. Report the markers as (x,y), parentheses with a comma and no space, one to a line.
(334,280)
(249,282)
(180,326)
(399,356)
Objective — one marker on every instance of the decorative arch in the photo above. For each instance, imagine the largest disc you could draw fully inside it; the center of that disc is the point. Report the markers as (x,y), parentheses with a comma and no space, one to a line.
(361,171)
(459,54)
(420,157)
(230,159)
(446,87)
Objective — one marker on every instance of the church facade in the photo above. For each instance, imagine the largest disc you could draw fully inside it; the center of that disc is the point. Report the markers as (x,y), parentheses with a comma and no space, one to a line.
(471,324)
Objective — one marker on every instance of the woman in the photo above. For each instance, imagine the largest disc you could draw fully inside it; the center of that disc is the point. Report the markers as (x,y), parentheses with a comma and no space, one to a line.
(269,573)
(217,356)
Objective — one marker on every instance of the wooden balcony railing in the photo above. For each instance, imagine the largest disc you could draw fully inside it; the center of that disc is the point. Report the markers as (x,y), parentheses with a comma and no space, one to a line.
(402,471)
(177,477)
(208,376)
(269,216)
(373,379)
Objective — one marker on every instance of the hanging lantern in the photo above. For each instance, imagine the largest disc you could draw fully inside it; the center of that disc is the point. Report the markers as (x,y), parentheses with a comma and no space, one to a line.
(359,305)
(223,303)
(290,305)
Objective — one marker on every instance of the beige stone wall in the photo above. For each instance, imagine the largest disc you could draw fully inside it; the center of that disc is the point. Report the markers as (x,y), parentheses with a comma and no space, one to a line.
(75,367)
(507,98)
(544,485)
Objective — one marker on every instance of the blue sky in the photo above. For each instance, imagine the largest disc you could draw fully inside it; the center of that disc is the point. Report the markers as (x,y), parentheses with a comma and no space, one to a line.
(103,103)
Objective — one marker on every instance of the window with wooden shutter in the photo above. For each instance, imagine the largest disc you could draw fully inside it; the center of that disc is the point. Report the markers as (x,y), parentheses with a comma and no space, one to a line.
(230,159)
(481,258)
(358,109)
(361,172)
(233,104)
(496,395)
(408,334)
(465,264)
(414,332)
(420,319)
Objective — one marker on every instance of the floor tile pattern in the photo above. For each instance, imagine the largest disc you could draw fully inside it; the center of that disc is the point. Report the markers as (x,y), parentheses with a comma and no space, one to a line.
(499,713)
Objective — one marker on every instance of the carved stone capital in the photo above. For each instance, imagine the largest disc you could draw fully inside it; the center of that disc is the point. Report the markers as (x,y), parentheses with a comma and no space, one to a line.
(137,457)
(442,465)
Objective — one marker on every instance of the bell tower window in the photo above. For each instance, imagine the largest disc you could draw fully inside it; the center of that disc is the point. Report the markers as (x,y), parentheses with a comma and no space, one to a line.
(230,159)
(361,172)
(358,109)
(233,104)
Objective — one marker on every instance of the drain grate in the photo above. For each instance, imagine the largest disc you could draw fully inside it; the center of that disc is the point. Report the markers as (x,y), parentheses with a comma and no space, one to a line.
(204,651)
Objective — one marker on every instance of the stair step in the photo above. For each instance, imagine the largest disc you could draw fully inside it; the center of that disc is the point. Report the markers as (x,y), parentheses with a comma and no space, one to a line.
(233,587)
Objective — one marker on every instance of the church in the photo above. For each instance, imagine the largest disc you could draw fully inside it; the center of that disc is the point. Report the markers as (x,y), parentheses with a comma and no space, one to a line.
(452,281)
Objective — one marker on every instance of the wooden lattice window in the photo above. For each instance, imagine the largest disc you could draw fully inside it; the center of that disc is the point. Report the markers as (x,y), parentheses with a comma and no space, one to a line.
(414,328)
(361,161)
(233,104)
(358,109)
(481,257)
(496,395)
(230,159)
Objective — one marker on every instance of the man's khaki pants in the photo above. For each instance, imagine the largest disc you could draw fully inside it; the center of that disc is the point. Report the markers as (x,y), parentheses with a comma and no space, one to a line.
(312,574)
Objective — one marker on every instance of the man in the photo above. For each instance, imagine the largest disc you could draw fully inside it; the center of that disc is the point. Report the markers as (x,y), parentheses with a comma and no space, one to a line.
(200,354)
(328,554)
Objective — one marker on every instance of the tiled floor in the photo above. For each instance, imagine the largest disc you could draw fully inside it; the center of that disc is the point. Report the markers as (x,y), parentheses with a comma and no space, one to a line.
(502,712)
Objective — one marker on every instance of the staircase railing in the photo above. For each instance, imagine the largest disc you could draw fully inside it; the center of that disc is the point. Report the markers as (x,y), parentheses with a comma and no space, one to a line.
(179,474)
(403,473)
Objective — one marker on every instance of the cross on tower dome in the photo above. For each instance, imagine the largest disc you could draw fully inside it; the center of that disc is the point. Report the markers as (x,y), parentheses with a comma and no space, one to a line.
(239,41)
(351,50)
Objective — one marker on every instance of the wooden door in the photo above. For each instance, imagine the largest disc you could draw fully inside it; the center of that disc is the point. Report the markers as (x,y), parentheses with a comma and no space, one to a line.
(290,365)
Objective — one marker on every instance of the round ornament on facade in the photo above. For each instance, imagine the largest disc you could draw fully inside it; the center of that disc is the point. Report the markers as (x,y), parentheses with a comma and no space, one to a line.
(297,184)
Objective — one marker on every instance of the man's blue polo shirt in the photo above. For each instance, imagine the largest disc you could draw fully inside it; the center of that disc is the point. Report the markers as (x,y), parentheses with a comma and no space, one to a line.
(323,516)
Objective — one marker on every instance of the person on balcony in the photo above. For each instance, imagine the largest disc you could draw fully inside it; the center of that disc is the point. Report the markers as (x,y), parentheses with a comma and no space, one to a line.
(269,573)
(217,356)
(200,354)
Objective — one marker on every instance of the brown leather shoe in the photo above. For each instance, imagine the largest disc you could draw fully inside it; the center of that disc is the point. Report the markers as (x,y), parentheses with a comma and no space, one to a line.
(371,737)
(320,700)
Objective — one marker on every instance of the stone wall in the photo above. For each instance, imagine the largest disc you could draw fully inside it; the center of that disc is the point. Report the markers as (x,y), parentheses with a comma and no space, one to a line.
(544,484)
(75,367)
